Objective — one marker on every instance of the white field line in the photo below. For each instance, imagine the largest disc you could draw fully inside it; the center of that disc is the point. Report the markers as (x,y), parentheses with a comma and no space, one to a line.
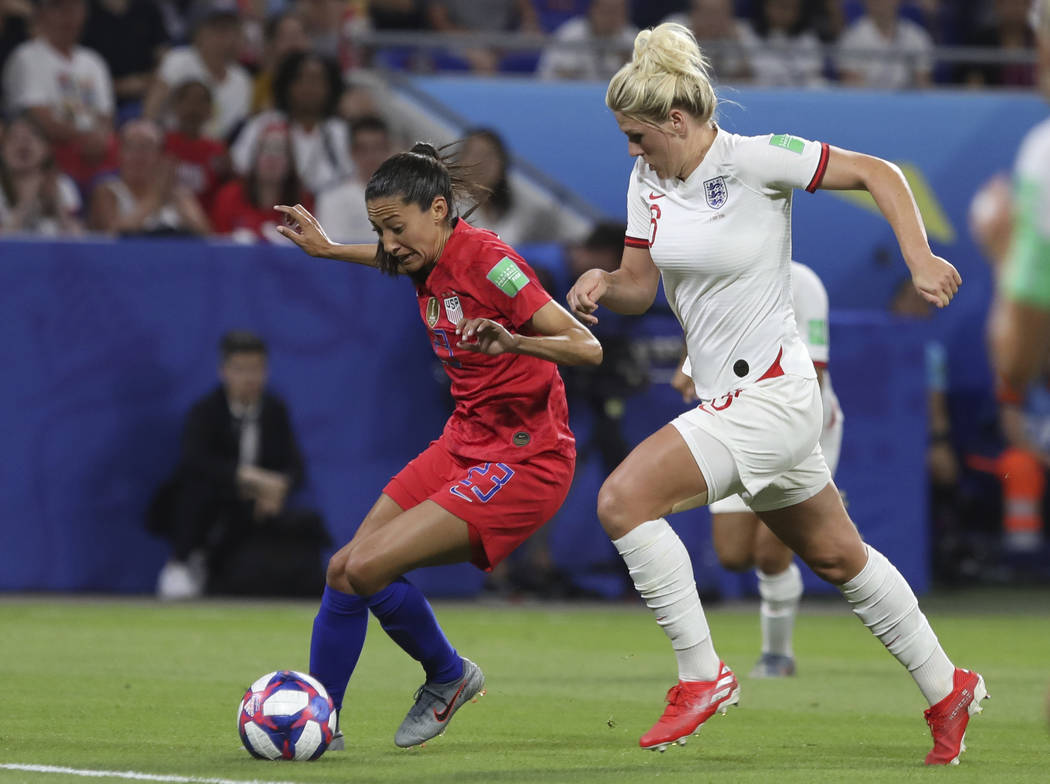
(131,774)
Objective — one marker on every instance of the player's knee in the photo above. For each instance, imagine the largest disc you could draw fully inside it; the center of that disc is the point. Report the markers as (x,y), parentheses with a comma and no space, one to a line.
(364,575)
(735,560)
(831,566)
(615,510)
(335,574)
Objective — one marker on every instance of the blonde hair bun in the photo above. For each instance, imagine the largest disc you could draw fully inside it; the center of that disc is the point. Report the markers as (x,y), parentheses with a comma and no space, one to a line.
(667,71)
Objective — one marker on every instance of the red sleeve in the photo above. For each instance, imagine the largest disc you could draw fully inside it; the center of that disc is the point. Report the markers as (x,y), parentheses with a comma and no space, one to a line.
(510,285)
(224,208)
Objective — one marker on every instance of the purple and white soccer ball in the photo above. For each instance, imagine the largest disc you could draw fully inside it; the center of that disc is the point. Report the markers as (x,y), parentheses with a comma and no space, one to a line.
(286,715)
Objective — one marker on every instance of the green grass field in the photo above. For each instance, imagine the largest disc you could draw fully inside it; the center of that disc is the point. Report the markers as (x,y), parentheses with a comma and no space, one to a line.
(132,685)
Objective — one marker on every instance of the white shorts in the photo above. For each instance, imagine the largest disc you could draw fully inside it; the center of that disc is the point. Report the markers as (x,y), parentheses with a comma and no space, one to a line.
(830,445)
(769,433)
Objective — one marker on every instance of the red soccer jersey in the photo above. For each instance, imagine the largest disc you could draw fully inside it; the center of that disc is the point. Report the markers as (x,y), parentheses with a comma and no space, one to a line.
(510,406)
(198,163)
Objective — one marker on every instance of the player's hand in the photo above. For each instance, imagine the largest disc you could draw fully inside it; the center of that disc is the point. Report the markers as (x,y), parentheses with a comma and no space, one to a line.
(991,217)
(584,295)
(303,229)
(484,336)
(684,386)
(935,279)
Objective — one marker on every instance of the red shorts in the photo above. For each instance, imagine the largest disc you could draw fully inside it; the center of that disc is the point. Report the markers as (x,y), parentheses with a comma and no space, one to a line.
(502,503)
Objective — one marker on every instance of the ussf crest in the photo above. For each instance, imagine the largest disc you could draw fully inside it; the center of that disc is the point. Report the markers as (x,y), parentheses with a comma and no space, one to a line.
(453,309)
(715,192)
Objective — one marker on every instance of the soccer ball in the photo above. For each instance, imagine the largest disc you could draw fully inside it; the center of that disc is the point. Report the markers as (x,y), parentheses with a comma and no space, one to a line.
(286,715)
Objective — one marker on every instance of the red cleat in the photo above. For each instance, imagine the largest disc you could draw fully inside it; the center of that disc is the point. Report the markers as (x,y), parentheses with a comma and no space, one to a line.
(690,704)
(949,717)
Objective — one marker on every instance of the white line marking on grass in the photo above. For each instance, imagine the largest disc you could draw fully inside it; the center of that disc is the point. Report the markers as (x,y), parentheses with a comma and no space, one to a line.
(130,774)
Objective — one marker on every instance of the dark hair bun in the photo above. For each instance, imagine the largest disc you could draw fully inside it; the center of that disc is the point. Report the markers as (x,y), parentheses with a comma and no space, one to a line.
(427,149)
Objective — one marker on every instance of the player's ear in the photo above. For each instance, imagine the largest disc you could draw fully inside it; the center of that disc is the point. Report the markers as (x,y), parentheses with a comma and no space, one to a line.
(677,119)
(439,208)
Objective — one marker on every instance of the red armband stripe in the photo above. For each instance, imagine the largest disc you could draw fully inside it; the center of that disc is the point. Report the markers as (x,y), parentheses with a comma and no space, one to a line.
(822,167)
(635,242)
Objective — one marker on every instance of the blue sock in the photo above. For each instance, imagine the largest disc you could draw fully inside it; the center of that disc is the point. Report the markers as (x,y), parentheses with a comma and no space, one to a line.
(338,637)
(406,616)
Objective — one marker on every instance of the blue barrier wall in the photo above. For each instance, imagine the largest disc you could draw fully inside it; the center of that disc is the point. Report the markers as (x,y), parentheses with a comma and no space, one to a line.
(105,345)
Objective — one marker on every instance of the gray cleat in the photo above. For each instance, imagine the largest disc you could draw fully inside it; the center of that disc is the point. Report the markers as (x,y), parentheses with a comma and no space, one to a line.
(338,741)
(435,705)
(774,665)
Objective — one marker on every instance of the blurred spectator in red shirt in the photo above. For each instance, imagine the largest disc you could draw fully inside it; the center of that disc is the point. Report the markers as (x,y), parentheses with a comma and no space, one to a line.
(35,197)
(145,197)
(243,207)
(67,88)
(202,163)
(130,36)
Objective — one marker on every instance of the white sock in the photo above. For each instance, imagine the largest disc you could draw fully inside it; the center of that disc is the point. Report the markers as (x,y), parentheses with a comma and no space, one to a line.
(780,596)
(663,575)
(884,601)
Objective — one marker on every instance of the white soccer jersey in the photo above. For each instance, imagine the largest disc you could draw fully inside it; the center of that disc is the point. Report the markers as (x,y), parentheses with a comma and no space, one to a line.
(809,299)
(722,241)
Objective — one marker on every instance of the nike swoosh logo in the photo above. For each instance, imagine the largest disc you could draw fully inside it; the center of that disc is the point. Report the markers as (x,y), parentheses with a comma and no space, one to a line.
(653,195)
(448,705)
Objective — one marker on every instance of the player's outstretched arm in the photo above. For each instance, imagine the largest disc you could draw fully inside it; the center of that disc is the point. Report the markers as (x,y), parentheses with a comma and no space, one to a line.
(303,229)
(934,277)
(630,290)
(560,338)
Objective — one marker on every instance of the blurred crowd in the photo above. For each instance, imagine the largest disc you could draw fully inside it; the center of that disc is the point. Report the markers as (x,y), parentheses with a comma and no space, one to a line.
(192,117)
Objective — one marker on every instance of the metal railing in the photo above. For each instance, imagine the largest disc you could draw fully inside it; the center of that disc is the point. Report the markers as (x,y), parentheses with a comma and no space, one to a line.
(428,43)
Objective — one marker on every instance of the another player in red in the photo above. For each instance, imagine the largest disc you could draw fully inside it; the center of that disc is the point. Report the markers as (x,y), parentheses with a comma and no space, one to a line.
(505,461)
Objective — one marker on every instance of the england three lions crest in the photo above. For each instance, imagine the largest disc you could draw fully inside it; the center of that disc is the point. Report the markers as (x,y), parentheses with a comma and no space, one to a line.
(453,309)
(715,192)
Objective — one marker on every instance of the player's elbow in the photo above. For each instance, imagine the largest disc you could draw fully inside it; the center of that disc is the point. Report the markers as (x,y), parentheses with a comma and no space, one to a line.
(592,351)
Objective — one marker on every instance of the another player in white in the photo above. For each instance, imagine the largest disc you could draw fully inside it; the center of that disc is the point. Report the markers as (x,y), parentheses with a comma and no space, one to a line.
(709,213)
(740,539)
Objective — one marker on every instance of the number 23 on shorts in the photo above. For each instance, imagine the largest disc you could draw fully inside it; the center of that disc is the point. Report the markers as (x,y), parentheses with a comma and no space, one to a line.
(483,481)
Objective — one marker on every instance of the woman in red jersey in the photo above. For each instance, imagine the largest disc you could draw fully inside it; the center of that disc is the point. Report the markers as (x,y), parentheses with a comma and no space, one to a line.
(502,466)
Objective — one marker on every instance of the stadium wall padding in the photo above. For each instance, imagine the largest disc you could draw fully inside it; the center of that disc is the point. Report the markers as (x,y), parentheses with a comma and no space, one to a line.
(106,344)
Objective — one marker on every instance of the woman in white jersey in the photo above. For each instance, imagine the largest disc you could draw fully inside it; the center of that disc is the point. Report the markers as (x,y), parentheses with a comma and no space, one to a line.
(741,540)
(709,212)
(1020,318)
